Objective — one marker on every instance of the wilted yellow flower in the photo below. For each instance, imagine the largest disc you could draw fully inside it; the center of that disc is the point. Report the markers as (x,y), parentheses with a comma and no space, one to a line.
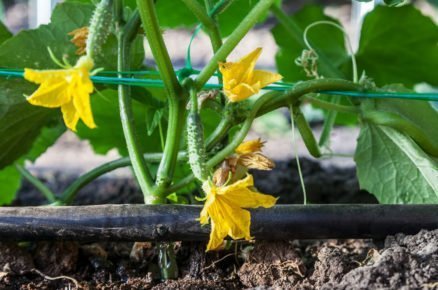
(224,208)
(249,156)
(80,39)
(250,146)
(256,161)
(240,79)
(68,88)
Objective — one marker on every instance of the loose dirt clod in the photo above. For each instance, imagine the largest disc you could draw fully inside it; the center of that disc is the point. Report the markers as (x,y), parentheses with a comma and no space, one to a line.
(407,262)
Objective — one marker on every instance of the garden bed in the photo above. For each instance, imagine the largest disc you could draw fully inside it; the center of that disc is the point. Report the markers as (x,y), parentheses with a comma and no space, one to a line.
(398,261)
(395,262)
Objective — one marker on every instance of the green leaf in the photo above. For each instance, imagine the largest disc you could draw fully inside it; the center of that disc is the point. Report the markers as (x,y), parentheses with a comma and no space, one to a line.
(394,3)
(153,119)
(48,137)
(171,17)
(393,168)
(20,122)
(399,46)
(173,14)
(10,178)
(10,181)
(420,113)
(109,132)
(4,33)
(328,42)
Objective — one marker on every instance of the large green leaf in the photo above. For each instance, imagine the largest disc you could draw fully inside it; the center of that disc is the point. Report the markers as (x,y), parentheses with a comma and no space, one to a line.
(109,133)
(10,181)
(421,113)
(327,40)
(20,123)
(173,14)
(4,33)
(399,46)
(10,178)
(393,168)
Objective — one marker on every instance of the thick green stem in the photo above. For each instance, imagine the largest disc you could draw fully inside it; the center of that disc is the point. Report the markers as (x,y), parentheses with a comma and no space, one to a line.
(159,51)
(333,106)
(139,165)
(70,192)
(176,95)
(306,132)
(265,104)
(220,132)
(200,13)
(312,86)
(324,64)
(48,194)
(241,30)
(240,136)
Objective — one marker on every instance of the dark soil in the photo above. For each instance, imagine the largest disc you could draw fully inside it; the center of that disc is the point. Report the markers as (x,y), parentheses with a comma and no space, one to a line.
(399,262)
(403,262)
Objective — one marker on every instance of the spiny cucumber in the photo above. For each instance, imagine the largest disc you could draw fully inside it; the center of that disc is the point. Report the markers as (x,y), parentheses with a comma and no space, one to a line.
(100,26)
(196,146)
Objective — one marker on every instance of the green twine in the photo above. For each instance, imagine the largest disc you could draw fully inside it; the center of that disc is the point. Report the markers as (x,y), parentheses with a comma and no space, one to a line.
(110,78)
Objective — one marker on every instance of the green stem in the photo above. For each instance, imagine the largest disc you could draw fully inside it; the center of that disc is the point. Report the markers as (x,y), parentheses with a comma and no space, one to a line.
(48,194)
(180,184)
(274,100)
(241,30)
(396,122)
(220,132)
(332,106)
(297,158)
(70,192)
(240,136)
(312,86)
(200,13)
(176,95)
(159,51)
(306,132)
(139,165)
(265,104)
(325,65)
(118,14)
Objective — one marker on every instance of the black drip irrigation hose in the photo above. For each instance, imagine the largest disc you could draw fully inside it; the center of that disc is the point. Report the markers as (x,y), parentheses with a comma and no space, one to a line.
(178,223)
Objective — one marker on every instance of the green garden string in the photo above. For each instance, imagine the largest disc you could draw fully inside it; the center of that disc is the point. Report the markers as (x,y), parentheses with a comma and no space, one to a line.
(111,78)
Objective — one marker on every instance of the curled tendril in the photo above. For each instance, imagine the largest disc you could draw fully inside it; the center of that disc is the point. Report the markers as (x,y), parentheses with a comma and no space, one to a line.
(308,60)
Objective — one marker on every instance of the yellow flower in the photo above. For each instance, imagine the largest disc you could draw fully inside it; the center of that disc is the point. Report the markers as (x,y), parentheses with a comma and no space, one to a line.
(250,146)
(224,208)
(250,157)
(68,88)
(79,39)
(240,79)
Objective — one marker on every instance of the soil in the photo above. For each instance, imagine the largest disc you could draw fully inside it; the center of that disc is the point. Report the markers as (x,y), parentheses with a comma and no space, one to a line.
(398,262)
(401,262)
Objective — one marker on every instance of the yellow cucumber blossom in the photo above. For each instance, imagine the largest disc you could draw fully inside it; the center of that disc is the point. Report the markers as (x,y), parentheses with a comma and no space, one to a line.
(68,88)
(250,146)
(240,79)
(224,208)
(249,156)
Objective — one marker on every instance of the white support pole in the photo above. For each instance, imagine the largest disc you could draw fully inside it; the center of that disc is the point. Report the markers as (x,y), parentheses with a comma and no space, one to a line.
(40,12)
(358,12)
